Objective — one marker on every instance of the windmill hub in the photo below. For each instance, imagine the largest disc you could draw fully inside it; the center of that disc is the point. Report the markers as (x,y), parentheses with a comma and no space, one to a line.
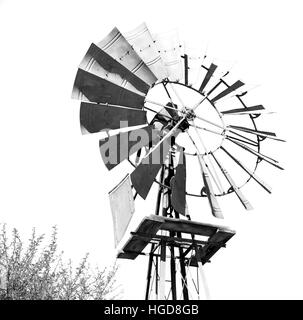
(190,114)
(184,125)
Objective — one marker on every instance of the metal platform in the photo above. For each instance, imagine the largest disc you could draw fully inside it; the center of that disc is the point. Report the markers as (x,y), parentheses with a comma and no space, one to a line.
(208,237)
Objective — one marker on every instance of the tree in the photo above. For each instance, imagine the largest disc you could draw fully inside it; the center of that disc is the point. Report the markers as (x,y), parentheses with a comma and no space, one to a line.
(35,272)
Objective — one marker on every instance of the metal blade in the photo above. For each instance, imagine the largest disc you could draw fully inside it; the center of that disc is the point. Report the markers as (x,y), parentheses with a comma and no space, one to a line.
(145,173)
(118,48)
(143,177)
(97,117)
(252,130)
(252,174)
(213,202)
(185,57)
(219,82)
(230,180)
(195,56)
(122,207)
(114,149)
(244,110)
(243,138)
(258,154)
(214,205)
(178,185)
(228,90)
(240,93)
(98,62)
(213,174)
(265,134)
(141,40)
(168,45)
(99,90)
(208,75)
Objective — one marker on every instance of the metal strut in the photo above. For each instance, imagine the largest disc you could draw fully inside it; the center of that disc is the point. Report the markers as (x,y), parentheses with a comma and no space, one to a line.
(151,255)
(163,206)
(163,255)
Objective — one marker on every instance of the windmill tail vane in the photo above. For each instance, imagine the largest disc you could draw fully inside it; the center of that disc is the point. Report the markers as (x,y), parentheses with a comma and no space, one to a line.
(186,130)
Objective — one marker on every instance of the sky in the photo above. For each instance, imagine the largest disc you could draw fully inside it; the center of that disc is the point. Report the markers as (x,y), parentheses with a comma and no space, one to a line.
(52,175)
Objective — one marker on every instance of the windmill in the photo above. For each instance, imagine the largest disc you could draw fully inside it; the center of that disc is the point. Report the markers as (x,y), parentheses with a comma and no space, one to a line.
(166,109)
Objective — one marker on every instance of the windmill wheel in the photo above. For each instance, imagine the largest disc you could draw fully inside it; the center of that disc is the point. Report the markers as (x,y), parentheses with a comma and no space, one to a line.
(174,109)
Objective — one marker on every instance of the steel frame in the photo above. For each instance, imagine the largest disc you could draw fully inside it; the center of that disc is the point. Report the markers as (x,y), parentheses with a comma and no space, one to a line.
(161,244)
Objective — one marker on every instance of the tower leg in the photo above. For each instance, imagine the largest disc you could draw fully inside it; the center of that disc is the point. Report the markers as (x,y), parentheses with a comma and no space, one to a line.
(157,278)
(182,266)
(201,271)
(151,255)
(149,271)
(162,271)
(173,273)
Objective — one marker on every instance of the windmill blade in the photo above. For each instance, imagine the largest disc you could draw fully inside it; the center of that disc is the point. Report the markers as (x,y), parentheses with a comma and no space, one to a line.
(208,76)
(114,149)
(230,180)
(265,134)
(186,68)
(252,130)
(118,48)
(98,62)
(214,173)
(241,91)
(178,185)
(243,138)
(90,87)
(145,173)
(195,57)
(168,45)
(97,117)
(141,40)
(213,202)
(217,79)
(122,207)
(258,154)
(252,174)
(143,176)
(248,110)
(227,91)
(214,205)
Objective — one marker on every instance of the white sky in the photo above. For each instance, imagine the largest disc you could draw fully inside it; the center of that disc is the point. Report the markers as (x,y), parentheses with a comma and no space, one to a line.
(50,174)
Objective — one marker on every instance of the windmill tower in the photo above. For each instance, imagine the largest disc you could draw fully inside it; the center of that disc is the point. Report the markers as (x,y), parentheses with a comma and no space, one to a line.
(180,114)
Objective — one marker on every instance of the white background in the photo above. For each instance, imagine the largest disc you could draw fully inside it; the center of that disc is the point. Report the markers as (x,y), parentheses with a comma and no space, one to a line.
(50,174)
